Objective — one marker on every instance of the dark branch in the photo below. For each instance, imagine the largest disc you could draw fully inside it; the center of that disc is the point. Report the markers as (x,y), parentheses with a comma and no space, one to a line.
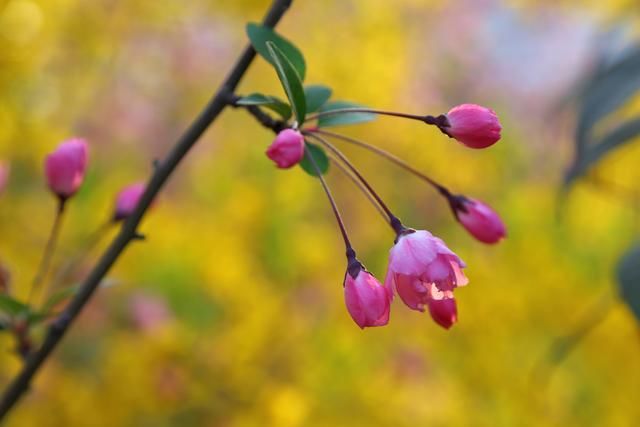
(128,233)
(263,118)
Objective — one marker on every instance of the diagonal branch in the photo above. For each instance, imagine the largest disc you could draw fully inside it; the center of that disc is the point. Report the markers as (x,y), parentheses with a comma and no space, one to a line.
(129,233)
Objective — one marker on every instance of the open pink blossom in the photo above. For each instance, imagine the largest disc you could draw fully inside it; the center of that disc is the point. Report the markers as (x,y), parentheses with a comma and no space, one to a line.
(127,200)
(65,167)
(366,299)
(473,125)
(443,310)
(481,221)
(4,175)
(421,267)
(287,149)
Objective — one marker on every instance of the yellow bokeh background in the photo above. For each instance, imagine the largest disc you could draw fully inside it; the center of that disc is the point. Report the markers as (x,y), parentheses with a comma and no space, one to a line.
(245,262)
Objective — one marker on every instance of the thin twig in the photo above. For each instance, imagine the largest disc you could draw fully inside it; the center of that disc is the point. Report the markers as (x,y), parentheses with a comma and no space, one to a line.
(335,161)
(393,220)
(334,207)
(563,346)
(49,250)
(128,233)
(70,267)
(387,155)
(338,111)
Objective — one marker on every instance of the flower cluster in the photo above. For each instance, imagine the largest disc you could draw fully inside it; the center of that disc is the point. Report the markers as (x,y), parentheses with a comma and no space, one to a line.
(422,270)
(64,170)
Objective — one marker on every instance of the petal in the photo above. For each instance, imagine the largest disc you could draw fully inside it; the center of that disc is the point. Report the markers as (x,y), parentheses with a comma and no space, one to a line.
(411,291)
(413,253)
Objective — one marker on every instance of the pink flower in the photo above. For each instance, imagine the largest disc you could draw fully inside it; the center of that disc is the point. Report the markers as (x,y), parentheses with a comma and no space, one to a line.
(472,125)
(422,268)
(366,299)
(480,220)
(443,311)
(287,149)
(4,175)
(149,312)
(127,200)
(65,167)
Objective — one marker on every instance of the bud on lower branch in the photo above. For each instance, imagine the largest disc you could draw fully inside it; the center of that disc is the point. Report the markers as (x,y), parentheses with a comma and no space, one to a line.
(65,167)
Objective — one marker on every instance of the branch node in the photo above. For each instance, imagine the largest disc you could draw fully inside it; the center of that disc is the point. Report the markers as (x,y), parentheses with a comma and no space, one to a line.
(138,236)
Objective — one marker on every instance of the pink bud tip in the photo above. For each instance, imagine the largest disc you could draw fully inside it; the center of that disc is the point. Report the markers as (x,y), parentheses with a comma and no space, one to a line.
(287,149)
(65,167)
(127,200)
(481,221)
(473,125)
(443,311)
(4,175)
(366,299)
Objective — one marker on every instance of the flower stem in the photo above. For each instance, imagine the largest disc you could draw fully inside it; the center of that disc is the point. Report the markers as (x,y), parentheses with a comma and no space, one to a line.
(387,155)
(66,271)
(393,220)
(358,184)
(345,237)
(430,120)
(49,249)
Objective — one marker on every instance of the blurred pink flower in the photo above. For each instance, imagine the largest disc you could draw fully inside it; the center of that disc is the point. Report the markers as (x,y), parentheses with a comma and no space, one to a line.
(149,312)
(65,167)
(4,175)
(473,125)
(287,149)
(366,299)
(481,221)
(421,268)
(127,200)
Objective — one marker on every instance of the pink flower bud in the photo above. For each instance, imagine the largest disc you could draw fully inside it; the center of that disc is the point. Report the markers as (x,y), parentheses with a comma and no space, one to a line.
(287,149)
(443,311)
(366,299)
(473,125)
(65,167)
(481,221)
(4,175)
(127,200)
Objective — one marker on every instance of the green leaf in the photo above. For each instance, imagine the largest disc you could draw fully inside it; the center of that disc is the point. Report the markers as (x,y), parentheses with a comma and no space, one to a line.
(609,88)
(259,35)
(271,102)
(290,82)
(317,96)
(342,118)
(320,157)
(624,133)
(629,279)
(11,306)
